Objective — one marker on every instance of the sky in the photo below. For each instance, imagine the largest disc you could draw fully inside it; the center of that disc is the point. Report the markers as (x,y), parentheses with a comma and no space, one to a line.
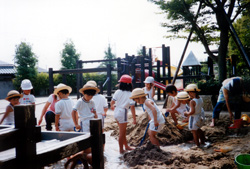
(91,25)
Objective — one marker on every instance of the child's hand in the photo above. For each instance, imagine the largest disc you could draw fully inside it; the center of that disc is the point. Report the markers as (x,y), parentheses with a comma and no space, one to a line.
(112,107)
(168,110)
(40,121)
(104,114)
(156,123)
(78,127)
(186,113)
(134,121)
(57,128)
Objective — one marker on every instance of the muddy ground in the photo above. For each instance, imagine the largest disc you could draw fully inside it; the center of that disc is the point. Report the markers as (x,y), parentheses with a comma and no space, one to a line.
(177,149)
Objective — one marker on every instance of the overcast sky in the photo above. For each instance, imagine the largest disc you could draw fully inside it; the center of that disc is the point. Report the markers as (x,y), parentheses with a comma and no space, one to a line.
(91,24)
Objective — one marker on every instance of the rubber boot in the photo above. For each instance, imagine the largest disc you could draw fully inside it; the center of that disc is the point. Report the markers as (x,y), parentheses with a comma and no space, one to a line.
(237,124)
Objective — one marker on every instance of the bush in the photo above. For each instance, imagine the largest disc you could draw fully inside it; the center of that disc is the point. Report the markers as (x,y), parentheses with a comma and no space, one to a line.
(209,87)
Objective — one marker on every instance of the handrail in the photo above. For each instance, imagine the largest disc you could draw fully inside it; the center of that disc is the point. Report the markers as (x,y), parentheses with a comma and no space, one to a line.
(108,78)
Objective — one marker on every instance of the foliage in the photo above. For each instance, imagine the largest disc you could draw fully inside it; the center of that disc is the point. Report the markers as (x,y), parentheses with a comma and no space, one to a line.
(100,78)
(69,58)
(209,87)
(25,61)
(108,55)
(210,26)
(41,84)
(246,84)
(242,27)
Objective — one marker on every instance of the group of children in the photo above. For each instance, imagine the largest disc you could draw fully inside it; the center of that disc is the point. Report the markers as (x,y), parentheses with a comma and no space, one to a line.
(76,117)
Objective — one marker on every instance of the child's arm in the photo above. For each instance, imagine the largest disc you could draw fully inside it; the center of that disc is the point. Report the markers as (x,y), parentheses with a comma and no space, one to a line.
(105,111)
(153,90)
(174,106)
(7,112)
(57,116)
(192,109)
(151,106)
(132,108)
(95,114)
(43,112)
(112,105)
(75,119)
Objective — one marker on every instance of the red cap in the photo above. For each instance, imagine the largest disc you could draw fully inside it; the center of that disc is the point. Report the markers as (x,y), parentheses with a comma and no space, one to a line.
(125,79)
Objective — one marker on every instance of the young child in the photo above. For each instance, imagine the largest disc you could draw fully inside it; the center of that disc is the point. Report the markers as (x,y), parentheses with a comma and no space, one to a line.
(122,101)
(63,108)
(27,91)
(177,106)
(13,97)
(49,111)
(157,120)
(149,87)
(85,107)
(101,104)
(195,114)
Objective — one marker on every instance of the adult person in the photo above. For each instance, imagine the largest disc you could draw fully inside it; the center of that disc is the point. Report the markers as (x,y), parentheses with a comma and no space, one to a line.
(230,94)
(49,111)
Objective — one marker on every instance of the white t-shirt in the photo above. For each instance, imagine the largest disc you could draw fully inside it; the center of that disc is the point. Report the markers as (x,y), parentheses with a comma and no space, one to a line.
(27,99)
(122,99)
(64,107)
(149,92)
(100,103)
(10,119)
(85,109)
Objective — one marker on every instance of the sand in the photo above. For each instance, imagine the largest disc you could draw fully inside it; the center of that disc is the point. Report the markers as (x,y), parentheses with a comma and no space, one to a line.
(176,151)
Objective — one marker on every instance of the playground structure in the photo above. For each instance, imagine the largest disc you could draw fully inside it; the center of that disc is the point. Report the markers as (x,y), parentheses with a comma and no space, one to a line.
(25,146)
(138,67)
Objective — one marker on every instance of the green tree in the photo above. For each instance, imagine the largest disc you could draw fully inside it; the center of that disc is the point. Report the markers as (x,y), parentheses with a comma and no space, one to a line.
(69,58)
(108,56)
(210,27)
(25,61)
(242,27)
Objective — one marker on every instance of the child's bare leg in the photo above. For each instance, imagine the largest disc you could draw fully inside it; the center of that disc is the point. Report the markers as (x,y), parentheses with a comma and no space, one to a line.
(196,138)
(174,117)
(201,136)
(212,124)
(122,136)
(152,137)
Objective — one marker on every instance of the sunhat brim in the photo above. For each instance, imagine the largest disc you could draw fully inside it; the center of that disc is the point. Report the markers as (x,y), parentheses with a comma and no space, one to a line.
(14,95)
(62,88)
(137,96)
(89,88)
(28,88)
(192,90)
(182,98)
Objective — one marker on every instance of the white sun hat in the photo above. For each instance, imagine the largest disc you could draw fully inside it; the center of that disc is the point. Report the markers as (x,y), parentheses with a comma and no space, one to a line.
(149,79)
(182,96)
(26,85)
(90,85)
(192,88)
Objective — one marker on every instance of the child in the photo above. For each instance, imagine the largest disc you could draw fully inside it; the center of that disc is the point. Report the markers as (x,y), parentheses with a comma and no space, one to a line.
(179,106)
(63,108)
(157,120)
(122,101)
(195,114)
(49,111)
(85,107)
(13,97)
(27,90)
(101,104)
(149,87)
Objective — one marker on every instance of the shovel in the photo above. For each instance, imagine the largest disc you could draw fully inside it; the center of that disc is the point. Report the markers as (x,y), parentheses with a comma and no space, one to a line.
(180,127)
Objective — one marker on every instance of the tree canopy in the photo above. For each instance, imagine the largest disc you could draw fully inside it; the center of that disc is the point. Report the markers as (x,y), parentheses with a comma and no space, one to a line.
(108,56)
(25,61)
(210,27)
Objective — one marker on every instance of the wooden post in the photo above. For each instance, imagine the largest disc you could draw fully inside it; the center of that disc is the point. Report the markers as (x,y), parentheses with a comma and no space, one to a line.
(143,65)
(109,82)
(29,134)
(133,73)
(51,83)
(77,79)
(158,79)
(64,78)
(97,144)
(150,73)
(119,68)
(234,59)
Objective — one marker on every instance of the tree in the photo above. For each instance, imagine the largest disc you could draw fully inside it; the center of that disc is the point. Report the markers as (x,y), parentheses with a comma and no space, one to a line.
(210,27)
(25,61)
(69,58)
(242,27)
(108,56)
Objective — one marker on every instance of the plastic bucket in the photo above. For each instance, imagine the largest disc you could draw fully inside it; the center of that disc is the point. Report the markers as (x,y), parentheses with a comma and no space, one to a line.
(243,161)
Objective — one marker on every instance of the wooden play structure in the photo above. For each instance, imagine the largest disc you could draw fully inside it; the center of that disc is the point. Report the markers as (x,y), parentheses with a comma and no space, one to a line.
(25,146)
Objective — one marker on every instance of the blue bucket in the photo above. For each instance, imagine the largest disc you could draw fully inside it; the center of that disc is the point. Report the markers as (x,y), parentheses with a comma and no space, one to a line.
(243,161)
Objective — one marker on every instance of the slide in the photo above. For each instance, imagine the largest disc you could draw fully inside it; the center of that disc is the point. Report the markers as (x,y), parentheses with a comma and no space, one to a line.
(160,85)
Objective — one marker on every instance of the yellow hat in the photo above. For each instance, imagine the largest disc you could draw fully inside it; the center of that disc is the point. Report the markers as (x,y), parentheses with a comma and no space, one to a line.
(13,93)
(192,88)
(182,96)
(90,85)
(137,92)
(62,86)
